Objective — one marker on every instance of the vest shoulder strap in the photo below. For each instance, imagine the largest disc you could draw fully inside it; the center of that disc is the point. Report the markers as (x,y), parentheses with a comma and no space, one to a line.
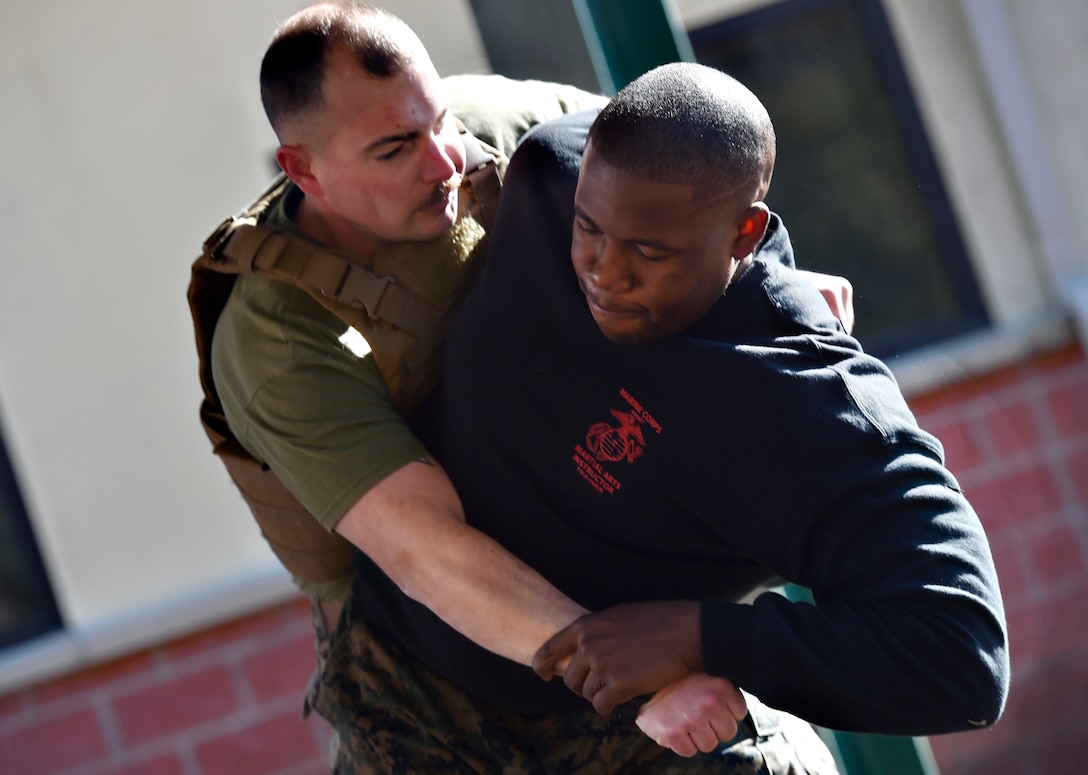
(484,168)
(243,245)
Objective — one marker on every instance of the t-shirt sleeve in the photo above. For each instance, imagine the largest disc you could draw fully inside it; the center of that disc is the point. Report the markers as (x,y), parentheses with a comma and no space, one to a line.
(330,452)
(308,405)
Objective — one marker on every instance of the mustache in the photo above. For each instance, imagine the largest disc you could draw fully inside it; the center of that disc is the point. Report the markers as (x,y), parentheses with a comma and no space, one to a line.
(443,189)
(452,184)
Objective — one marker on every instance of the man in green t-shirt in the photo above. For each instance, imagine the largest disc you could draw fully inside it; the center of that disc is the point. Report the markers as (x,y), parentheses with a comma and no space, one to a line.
(375,159)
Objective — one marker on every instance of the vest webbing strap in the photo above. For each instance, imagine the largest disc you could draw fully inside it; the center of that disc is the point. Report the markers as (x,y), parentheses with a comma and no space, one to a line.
(268,251)
(298,540)
(483,181)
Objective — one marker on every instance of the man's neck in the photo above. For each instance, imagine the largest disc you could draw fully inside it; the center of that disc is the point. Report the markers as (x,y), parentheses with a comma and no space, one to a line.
(739,268)
(333,231)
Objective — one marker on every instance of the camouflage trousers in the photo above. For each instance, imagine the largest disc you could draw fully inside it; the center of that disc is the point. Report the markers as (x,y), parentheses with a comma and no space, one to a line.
(392,714)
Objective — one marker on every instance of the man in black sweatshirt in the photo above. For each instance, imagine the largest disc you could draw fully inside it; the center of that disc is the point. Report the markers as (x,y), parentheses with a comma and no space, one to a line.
(654,408)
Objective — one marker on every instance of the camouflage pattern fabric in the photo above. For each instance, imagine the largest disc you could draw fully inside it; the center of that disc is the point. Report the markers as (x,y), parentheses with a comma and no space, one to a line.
(321,612)
(394,716)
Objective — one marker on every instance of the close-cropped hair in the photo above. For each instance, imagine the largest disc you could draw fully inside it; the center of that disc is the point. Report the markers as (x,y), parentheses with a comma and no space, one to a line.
(293,68)
(689,124)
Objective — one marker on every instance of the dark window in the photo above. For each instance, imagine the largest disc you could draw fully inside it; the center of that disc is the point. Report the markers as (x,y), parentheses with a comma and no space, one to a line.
(855,182)
(27,607)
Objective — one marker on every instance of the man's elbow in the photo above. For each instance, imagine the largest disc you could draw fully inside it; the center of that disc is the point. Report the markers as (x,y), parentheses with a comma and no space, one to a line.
(992,689)
(976,690)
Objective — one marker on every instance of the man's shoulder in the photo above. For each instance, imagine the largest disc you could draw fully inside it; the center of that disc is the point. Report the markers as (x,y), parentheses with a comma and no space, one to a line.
(795,300)
(537,208)
(552,149)
(272,322)
(500,110)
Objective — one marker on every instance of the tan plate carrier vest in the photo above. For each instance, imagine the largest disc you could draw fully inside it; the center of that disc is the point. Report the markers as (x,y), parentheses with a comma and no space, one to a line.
(403,330)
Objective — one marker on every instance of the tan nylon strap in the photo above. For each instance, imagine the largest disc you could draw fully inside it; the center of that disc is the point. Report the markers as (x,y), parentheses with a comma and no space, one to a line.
(482,180)
(262,249)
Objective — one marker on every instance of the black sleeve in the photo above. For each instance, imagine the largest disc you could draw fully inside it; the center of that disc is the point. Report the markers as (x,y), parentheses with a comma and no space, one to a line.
(907,633)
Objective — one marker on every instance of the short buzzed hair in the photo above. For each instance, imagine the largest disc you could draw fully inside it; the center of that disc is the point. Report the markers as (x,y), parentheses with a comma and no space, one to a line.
(689,124)
(293,69)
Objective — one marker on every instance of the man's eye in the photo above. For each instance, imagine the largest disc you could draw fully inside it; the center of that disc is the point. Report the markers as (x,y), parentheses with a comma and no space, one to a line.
(650,254)
(587,228)
(390,154)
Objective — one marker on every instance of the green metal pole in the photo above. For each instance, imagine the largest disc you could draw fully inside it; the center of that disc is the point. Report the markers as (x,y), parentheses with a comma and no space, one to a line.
(628,37)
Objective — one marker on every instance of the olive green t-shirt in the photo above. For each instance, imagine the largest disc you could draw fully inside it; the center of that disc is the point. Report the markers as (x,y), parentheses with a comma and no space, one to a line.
(296,383)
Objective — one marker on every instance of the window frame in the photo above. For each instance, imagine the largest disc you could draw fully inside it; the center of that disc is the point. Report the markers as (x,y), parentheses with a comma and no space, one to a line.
(942,67)
(37,591)
(875,49)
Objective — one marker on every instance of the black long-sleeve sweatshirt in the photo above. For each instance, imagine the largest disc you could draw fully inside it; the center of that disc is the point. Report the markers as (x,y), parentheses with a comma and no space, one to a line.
(761,444)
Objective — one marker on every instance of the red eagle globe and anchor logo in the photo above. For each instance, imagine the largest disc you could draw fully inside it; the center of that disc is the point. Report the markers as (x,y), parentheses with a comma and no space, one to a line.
(614,443)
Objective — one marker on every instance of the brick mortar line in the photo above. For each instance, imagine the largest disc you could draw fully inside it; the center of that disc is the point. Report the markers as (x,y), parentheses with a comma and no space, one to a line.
(185,743)
(1032,380)
(109,726)
(164,668)
(1048,456)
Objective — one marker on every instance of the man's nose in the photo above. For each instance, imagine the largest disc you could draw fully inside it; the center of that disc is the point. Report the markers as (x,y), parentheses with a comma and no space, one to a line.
(610,270)
(442,159)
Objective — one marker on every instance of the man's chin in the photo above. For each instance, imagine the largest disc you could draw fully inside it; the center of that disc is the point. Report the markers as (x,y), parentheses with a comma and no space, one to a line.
(619,335)
(434,221)
(435,227)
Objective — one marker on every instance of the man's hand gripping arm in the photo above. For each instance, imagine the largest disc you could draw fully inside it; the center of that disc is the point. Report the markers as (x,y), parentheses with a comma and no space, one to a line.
(634,649)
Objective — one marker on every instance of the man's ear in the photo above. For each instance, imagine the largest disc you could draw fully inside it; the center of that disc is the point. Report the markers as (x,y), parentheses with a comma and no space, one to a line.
(751,226)
(295,160)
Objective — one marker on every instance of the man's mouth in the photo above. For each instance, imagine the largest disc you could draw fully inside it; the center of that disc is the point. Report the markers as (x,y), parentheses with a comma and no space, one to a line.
(605,308)
(441,195)
(443,191)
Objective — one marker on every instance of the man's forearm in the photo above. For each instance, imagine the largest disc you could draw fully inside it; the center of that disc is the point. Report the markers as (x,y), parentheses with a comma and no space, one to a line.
(413,527)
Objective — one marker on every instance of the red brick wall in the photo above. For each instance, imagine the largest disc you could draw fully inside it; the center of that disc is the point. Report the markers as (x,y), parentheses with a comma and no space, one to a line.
(1018,442)
(227,701)
(223,702)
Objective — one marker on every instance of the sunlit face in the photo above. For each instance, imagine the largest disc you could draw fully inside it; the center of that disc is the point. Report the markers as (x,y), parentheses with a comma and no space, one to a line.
(650,257)
(389,156)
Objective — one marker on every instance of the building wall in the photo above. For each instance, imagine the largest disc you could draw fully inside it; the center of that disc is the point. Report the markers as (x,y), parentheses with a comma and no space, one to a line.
(131,128)
(224,701)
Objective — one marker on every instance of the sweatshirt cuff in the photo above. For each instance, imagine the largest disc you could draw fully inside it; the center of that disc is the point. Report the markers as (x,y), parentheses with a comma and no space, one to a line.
(726,632)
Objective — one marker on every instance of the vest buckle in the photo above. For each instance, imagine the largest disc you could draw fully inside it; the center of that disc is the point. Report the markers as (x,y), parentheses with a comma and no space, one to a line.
(218,238)
(372,309)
